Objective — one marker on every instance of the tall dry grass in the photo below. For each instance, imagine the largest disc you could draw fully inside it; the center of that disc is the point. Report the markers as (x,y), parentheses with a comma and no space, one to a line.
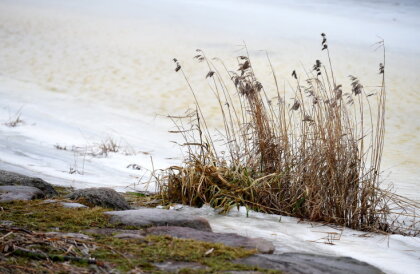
(317,157)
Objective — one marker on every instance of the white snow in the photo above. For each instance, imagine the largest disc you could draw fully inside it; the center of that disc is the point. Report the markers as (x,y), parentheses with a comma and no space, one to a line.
(58,119)
(392,254)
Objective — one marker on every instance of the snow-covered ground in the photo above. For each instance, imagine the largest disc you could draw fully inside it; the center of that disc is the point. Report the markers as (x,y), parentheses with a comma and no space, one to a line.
(84,72)
(392,254)
(60,138)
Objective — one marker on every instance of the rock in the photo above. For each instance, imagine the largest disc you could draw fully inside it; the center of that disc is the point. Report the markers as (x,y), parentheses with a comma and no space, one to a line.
(72,205)
(229,239)
(263,246)
(11,178)
(64,204)
(175,266)
(129,236)
(309,263)
(104,197)
(147,217)
(68,235)
(48,201)
(16,193)
(110,231)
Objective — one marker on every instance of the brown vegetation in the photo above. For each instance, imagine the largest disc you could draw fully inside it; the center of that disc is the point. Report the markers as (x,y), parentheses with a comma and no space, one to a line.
(317,157)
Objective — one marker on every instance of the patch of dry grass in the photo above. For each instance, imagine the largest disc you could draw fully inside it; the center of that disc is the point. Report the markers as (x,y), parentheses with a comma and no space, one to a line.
(15,119)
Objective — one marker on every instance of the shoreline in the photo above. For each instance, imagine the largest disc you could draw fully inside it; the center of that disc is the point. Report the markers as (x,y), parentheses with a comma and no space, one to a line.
(138,202)
(289,234)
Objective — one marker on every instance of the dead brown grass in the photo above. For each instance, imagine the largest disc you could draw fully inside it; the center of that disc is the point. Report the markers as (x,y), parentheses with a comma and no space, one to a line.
(317,157)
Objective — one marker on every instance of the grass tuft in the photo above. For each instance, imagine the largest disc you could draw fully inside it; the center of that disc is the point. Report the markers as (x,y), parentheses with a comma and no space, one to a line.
(316,157)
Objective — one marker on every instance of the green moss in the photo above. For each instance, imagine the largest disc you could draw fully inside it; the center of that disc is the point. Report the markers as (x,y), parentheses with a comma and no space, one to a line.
(136,194)
(143,253)
(36,215)
(122,254)
(140,199)
(63,191)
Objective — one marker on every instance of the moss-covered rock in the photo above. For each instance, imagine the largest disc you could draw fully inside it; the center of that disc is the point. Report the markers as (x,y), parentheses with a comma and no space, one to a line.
(104,197)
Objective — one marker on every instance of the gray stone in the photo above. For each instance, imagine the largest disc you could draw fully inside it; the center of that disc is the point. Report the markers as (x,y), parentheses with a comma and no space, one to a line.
(147,217)
(68,235)
(11,178)
(19,193)
(175,266)
(72,205)
(229,239)
(110,231)
(48,201)
(104,197)
(129,236)
(302,263)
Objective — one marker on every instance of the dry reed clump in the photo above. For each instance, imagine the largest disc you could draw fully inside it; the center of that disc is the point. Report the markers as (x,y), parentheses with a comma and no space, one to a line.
(15,120)
(316,158)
